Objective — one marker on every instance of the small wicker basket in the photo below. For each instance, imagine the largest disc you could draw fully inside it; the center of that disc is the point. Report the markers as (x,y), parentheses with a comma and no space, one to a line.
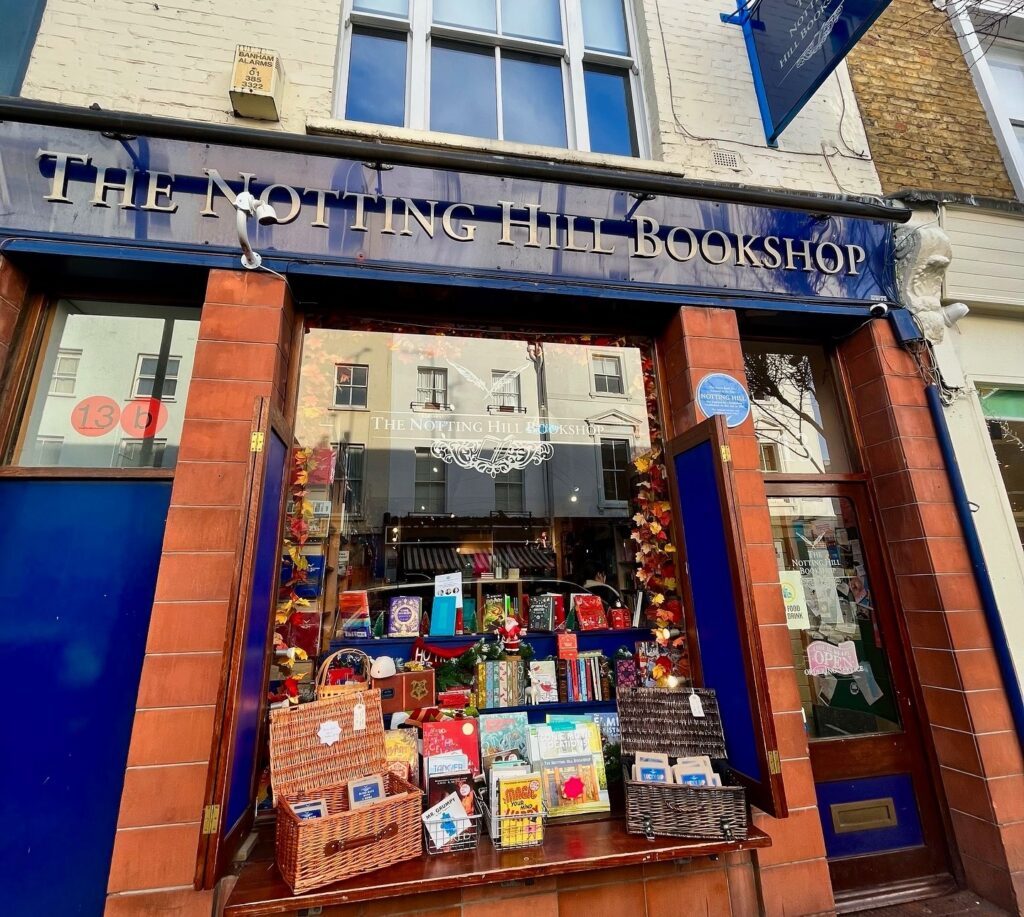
(660,720)
(325,690)
(315,749)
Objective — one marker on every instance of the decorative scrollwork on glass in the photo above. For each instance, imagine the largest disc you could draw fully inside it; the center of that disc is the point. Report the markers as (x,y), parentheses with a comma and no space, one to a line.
(492,456)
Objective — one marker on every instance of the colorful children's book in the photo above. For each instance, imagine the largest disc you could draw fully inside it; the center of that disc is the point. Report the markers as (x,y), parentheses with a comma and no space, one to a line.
(493,612)
(503,737)
(520,794)
(565,745)
(442,616)
(404,612)
(402,754)
(446,821)
(445,784)
(589,612)
(570,786)
(542,612)
(543,680)
(354,614)
(453,735)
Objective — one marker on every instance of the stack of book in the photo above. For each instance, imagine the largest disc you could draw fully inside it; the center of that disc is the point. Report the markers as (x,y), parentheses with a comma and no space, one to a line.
(585,678)
(500,683)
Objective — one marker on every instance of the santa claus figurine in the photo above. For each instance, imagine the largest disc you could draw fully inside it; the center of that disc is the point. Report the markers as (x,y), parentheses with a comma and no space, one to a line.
(511,634)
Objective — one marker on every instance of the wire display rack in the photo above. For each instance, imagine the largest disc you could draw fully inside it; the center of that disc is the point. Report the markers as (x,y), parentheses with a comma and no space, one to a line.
(451,834)
(513,832)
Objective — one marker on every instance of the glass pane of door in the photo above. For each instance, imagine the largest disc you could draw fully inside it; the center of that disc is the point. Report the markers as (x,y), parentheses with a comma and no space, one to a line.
(841,664)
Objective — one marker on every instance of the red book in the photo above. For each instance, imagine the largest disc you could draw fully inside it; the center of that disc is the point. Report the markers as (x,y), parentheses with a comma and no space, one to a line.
(589,612)
(559,612)
(453,735)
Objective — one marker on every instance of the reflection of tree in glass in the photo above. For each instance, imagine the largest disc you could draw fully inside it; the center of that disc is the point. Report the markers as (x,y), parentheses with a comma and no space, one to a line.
(783,386)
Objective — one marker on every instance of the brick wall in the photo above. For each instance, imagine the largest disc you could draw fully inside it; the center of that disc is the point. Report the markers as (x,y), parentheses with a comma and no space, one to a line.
(793,873)
(243,351)
(978,752)
(925,123)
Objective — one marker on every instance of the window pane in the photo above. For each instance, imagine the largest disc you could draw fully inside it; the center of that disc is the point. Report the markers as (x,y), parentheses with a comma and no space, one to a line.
(610,111)
(532,102)
(391,7)
(1009,79)
(470,14)
(463,93)
(376,78)
(359,375)
(604,26)
(149,365)
(101,416)
(1004,409)
(358,396)
(795,407)
(839,657)
(541,19)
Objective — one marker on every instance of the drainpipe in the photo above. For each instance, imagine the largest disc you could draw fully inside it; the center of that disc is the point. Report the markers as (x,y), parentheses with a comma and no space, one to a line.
(978,565)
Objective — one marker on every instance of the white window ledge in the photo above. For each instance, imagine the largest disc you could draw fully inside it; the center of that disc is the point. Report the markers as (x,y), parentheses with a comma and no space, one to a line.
(384,133)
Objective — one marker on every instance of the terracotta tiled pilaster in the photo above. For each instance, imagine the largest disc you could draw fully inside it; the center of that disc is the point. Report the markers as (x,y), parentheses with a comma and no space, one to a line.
(13,289)
(978,752)
(242,353)
(793,873)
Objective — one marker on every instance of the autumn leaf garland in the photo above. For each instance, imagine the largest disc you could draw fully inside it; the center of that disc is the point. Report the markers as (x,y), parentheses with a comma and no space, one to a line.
(296,534)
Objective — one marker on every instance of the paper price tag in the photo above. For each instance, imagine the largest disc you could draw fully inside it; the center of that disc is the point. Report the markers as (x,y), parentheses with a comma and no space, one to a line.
(359,718)
(696,707)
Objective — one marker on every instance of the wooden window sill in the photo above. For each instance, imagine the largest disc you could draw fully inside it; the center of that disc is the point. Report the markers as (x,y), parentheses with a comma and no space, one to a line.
(580,847)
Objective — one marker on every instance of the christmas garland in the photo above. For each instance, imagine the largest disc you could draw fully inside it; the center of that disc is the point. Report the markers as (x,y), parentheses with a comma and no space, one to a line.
(656,554)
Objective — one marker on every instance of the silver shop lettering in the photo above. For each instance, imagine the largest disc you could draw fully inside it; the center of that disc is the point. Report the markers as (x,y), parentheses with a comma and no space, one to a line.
(516,225)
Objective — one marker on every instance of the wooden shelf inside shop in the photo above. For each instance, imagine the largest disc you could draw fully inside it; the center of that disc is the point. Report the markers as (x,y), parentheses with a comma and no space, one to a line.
(567,848)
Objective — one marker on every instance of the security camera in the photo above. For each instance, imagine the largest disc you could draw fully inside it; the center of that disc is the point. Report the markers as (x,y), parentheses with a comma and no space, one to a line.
(879,310)
(265,214)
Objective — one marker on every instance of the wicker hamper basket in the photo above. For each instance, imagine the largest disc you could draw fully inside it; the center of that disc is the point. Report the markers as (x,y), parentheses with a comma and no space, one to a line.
(346,842)
(659,720)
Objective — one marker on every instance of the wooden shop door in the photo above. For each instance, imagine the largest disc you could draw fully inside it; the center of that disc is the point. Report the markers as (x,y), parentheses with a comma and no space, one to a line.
(230,809)
(881,820)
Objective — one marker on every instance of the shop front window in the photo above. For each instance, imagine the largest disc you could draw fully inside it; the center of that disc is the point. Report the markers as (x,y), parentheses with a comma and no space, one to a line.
(112,382)
(1004,413)
(839,656)
(485,456)
(796,410)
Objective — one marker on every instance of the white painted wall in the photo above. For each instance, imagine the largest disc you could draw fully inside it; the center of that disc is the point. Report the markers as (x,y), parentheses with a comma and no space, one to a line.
(174,59)
(986,348)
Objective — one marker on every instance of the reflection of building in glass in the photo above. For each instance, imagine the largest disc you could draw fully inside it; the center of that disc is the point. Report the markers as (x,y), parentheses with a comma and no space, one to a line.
(503,441)
(102,356)
(795,410)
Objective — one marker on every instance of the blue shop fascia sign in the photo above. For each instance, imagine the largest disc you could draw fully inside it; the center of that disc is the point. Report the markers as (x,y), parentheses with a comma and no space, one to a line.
(77,185)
